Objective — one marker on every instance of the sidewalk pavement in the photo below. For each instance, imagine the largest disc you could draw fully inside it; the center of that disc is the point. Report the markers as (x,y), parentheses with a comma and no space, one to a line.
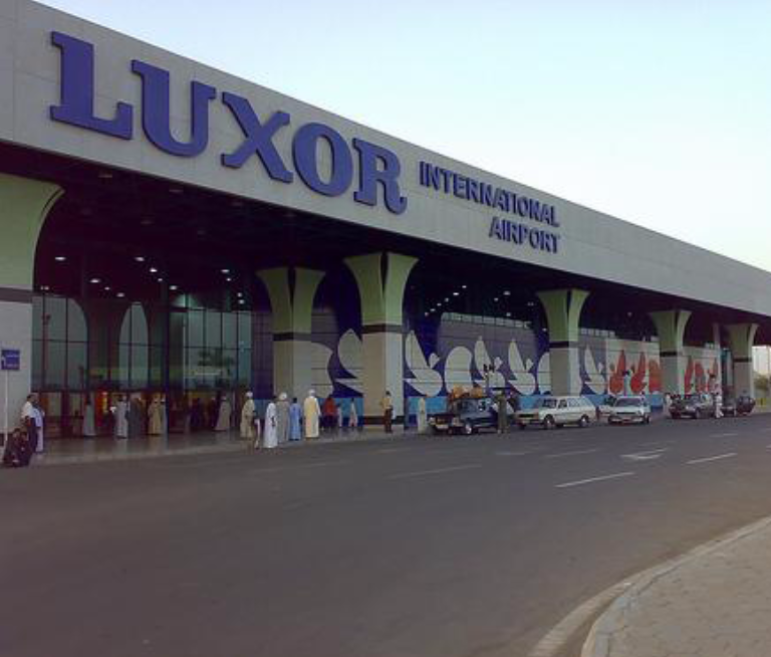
(713,602)
(92,450)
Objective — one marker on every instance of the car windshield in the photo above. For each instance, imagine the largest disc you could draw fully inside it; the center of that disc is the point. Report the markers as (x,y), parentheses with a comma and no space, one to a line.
(546,403)
(629,401)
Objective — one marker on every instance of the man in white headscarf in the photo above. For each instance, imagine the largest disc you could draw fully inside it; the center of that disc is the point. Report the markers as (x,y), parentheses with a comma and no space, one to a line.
(247,418)
(422,415)
(282,418)
(270,435)
(311,413)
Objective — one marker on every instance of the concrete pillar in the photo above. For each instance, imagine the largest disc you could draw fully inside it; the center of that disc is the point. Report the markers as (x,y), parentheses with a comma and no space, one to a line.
(381,279)
(291,293)
(741,338)
(563,313)
(24,206)
(670,326)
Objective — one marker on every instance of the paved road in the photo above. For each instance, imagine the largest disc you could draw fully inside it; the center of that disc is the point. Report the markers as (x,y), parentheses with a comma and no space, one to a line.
(425,547)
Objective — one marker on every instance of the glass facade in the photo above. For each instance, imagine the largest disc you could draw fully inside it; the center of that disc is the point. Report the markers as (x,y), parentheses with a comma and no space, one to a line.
(103,348)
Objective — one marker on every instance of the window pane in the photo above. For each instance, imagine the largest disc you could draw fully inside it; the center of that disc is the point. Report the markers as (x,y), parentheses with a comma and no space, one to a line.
(55,318)
(213,329)
(139,331)
(76,322)
(195,328)
(229,330)
(245,330)
(54,365)
(76,366)
(140,366)
(245,367)
(120,373)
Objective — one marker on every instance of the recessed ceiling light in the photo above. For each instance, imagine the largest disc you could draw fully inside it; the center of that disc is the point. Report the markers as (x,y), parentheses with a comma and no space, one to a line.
(447,300)
(160,280)
(120,295)
(508,314)
(506,293)
(240,294)
(44,288)
(139,258)
(107,288)
(153,270)
(495,299)
(241,301)
(60,258)
(225,271)
(105,175)
(96,281)
(175,190)
(456,294)
(173,288)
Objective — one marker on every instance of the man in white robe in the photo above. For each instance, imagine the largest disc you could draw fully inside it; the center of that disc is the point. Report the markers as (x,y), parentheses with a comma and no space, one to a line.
(38,414)
(270,435)
(311,413)
(247,418)
(223,417)
(353,418)
(121,418)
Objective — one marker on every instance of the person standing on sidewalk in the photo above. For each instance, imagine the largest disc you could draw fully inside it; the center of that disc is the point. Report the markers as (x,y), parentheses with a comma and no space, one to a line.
(295,421)
(311,412)
(39,415)
(247,418)
(353,418)
(270,438)
(501,408)
(282,418)
(28,421)
(387,404)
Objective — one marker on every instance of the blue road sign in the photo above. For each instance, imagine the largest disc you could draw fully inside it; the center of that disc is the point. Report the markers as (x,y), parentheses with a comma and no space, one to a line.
(10,360)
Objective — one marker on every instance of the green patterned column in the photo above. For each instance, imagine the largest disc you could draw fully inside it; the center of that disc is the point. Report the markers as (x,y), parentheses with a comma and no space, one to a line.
(291,293)
(670,327)
(24,206)
(563,314)
(382,279)
(741,339)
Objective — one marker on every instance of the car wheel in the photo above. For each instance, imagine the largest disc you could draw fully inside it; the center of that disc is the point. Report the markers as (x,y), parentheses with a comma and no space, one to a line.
(548,422)
(468,429)
(647,419)
(583,422)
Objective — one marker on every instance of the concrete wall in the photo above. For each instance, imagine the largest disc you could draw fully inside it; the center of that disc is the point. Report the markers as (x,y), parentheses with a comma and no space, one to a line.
(592,244)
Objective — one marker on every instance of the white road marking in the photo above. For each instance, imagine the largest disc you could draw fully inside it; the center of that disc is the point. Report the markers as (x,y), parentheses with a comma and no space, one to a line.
(393,450)
(322,464)
(512,453)
(724,435)
(650,455)
(657,443)
(581,482)
(711,458)
(574,453)
(423,473)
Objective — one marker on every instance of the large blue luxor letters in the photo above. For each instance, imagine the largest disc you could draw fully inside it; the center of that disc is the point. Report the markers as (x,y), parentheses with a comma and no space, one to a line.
(377,165)
(305,154)
(156,111)
(77,91)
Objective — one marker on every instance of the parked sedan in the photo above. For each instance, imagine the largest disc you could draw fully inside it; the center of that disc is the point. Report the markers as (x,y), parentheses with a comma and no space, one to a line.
(550,412)
(467,416)
(695,406)
(629,410)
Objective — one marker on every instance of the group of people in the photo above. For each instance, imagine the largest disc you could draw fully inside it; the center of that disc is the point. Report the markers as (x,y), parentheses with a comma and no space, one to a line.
(27,440)
(287,421)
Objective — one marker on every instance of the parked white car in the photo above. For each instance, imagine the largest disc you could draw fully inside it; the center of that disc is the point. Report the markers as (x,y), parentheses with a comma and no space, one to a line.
(550,412)
(628,410)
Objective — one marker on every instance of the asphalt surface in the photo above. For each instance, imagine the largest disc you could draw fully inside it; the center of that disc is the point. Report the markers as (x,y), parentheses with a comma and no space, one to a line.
(430,547)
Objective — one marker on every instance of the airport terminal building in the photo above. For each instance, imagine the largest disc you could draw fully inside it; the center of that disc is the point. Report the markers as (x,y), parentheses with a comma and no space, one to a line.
(169,229)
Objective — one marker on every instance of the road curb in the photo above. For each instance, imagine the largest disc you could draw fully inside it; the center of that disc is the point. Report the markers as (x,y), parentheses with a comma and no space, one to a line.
(616,599)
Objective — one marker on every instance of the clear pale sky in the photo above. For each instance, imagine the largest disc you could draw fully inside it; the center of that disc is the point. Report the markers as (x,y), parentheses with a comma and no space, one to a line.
(658,112)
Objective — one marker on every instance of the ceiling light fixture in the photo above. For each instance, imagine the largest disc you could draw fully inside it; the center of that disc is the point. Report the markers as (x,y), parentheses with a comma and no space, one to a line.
(95,281)
(153,270)
(139,258)
(60,258)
